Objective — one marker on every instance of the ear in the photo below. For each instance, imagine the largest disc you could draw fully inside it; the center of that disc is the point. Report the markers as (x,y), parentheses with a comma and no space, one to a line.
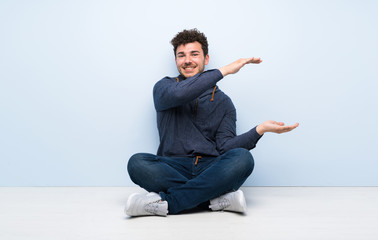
(207,58)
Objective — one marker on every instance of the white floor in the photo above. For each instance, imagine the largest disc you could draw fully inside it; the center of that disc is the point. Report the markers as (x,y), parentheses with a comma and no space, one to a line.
(273,213)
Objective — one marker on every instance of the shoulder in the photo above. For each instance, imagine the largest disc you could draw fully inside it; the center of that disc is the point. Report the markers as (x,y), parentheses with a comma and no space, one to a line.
(166,79)
(164,82)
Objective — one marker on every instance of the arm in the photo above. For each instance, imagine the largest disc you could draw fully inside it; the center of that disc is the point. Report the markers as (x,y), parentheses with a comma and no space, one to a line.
(169,93)
(226,138)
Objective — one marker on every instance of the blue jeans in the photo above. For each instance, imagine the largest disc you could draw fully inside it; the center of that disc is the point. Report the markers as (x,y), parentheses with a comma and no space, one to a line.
(185,185)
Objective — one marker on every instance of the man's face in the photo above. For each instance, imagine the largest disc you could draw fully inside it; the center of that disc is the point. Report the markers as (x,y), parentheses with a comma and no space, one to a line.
(190,59)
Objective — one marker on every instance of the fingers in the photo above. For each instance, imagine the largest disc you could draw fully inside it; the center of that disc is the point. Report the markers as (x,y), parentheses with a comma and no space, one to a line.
(254,60)
(283,129)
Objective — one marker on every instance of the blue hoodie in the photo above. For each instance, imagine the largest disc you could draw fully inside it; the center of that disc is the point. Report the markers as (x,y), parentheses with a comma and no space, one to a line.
(195,118)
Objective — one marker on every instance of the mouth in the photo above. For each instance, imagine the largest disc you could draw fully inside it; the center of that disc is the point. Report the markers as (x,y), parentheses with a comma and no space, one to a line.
(188,69)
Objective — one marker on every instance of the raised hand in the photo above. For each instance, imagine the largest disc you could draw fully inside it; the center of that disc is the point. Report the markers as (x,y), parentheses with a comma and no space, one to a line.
(237,65)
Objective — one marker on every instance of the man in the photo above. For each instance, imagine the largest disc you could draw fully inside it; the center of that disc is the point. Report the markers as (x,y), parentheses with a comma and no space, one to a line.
(200,160)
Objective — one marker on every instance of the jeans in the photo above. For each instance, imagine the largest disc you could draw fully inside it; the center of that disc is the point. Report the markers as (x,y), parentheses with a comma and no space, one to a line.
(184,184)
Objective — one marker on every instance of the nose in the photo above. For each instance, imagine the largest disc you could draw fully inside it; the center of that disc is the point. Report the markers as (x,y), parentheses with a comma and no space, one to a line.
(188,60)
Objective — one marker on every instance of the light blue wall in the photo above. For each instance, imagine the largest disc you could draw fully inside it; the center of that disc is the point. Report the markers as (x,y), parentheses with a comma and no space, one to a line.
(76,82)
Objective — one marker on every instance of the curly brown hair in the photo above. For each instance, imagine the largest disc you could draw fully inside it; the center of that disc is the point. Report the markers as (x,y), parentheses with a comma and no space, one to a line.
(189,36)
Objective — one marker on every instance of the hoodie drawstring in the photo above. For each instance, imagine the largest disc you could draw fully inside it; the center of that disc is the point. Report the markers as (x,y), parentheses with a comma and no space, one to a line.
(212,95)
(195,164)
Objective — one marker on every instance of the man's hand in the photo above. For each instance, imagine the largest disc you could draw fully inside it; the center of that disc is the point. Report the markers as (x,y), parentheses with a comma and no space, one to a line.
(237,65)
(273,126)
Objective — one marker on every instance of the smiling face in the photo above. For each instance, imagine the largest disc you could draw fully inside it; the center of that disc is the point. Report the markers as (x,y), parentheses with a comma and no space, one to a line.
(190,59)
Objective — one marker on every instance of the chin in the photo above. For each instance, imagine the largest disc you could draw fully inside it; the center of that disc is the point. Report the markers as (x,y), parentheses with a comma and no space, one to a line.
(188,75)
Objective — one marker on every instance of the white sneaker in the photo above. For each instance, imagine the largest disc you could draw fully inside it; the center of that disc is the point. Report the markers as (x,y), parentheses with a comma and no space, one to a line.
(233,201)
(140,204)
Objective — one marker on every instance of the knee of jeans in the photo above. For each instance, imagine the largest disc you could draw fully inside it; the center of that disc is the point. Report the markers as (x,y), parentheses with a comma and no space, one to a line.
(245,160)
(134,164)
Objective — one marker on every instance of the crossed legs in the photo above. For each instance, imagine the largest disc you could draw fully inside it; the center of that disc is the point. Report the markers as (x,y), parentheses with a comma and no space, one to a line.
(185,185)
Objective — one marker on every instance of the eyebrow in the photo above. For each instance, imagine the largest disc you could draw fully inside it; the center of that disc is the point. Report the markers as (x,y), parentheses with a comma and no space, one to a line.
(195,51)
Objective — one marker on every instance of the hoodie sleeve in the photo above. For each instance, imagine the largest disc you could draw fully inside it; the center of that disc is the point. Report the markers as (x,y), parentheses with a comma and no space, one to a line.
(226,138)
(169,93)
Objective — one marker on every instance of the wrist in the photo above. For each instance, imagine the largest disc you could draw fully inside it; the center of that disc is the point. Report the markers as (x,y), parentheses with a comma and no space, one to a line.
(260,129)
(223,71)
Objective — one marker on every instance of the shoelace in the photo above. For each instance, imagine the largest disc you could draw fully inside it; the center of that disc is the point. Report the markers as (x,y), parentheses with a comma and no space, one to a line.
(223,203)
(153,207)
